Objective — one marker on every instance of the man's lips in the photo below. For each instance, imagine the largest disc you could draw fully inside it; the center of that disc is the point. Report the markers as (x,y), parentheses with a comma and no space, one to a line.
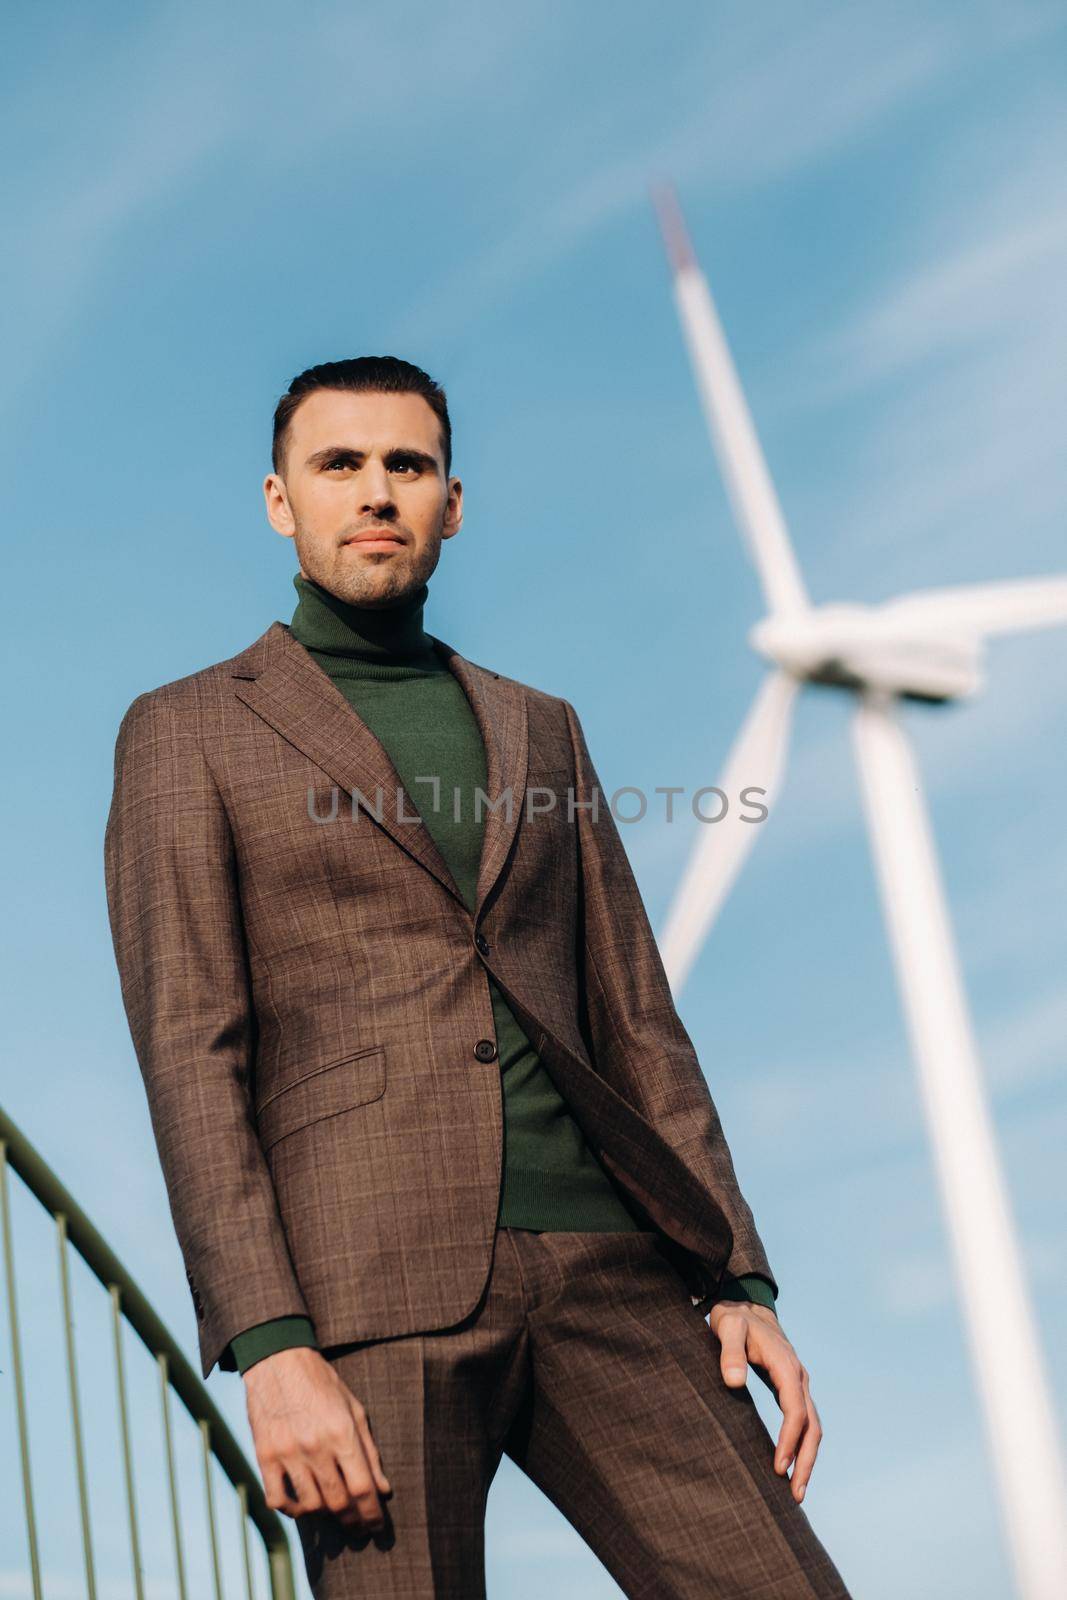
(383,538)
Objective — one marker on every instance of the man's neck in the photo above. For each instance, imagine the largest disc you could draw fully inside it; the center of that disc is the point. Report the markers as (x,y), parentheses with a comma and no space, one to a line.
(394,634)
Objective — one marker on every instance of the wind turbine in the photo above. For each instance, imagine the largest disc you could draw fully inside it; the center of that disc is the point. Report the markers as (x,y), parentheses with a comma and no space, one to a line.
(925,646)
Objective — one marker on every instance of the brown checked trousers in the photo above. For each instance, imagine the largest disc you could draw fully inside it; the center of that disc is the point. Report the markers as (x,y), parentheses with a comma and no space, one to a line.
(588,1364)
(310,1009)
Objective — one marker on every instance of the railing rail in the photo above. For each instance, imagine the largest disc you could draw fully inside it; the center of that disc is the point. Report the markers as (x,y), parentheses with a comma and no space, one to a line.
(176,1375)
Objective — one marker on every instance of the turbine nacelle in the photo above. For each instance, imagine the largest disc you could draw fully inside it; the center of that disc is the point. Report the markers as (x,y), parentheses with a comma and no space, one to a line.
(864,647)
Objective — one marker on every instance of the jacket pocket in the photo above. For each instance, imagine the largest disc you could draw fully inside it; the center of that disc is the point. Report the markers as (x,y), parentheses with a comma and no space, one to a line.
(354,1080)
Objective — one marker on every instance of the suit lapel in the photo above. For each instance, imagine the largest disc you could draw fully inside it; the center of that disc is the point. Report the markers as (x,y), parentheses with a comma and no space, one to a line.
(282,683)
(499,706)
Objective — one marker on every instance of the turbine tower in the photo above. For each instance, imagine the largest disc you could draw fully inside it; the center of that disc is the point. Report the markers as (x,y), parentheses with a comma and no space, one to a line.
(925,646)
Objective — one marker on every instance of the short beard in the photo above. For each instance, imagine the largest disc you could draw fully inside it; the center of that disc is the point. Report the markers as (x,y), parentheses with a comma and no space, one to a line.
(384,582)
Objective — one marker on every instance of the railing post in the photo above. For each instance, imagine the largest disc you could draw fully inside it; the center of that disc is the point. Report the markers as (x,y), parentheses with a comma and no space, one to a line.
(213,1535)
(75,1408)
(20,1389)
(172,1481)
(281,1574)
(115,1295)
(242,1523)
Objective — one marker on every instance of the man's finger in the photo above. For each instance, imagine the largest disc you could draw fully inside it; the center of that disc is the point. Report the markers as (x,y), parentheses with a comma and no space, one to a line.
(290,1488)
(360,1484)
(305,1487)
(809,1446)
(276,1488)
(371,1451)
(362,1467)
(785,1371)
(333,1483)
(733,1358)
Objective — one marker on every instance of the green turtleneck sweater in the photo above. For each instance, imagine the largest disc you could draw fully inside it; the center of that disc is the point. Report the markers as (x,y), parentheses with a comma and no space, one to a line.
(385,665)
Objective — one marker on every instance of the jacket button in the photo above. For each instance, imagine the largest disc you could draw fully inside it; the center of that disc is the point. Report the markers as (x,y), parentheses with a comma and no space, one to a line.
(197,1301)
(485,1050)
(481,944)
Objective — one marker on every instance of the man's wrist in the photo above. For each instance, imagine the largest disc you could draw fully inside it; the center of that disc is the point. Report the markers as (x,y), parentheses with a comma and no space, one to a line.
(267,1338)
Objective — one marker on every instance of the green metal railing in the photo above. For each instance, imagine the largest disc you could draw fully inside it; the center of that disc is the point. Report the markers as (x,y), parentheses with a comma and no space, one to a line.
(176,1375)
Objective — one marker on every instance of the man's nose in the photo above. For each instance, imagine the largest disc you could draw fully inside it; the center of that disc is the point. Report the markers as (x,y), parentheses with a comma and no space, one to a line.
(376,489)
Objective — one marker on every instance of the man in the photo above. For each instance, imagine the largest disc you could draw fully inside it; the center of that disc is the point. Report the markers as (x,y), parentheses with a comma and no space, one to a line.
(446,1174)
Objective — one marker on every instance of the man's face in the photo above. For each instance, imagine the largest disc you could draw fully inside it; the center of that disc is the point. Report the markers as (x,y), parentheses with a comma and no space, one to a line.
(360,464)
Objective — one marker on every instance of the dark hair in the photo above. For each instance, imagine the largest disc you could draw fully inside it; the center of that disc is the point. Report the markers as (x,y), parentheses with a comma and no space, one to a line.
(385,374)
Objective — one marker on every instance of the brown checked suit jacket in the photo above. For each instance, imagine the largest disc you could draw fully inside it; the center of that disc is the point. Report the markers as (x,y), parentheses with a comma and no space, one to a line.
(309,1000)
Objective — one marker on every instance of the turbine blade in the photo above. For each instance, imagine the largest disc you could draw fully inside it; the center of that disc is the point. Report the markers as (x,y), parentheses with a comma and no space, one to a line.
(1012,606)
(755,761)
(748,481)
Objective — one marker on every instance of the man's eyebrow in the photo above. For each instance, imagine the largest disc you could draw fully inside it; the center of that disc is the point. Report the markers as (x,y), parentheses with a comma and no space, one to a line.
(321,457)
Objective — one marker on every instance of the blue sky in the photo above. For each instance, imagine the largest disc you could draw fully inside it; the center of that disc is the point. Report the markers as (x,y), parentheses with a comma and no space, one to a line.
(202,205)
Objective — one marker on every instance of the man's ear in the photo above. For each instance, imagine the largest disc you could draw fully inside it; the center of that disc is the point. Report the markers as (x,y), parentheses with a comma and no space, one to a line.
(454,510)
(279,512)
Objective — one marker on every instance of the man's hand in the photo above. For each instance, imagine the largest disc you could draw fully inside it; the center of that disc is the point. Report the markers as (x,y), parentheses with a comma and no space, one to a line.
(751,1334)
(313,1441)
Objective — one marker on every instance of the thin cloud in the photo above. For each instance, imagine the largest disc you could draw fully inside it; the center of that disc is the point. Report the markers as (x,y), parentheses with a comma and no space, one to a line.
(959,360)
(170,102)
(981,292)
(774,94)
